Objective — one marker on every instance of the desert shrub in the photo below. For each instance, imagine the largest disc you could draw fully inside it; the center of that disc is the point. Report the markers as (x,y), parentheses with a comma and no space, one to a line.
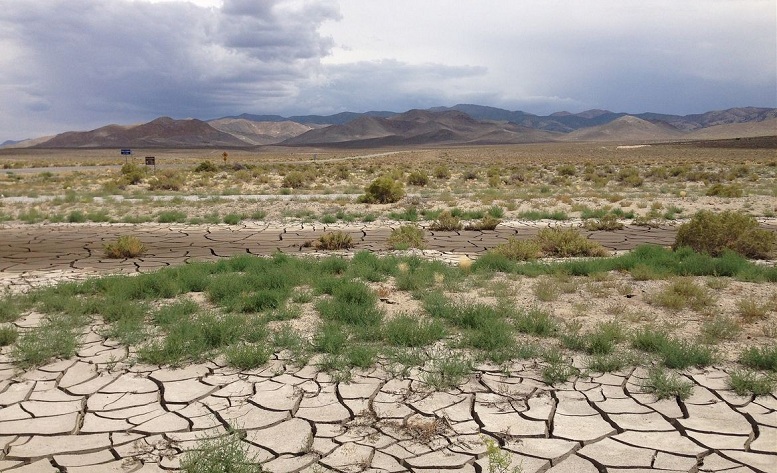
(132,173)
(747,383)
(334,241)
(566,170)
(442,172)
(407,236)
(166,180)
(518,250)
(667,385)
(446,221)
(127,246)
(383,190)
(418,178)
(294,179)
(171,216)
(233,218)
(714,233)
(607,222)
(630,176)
(760,358)
(567,242)
(206,166)
(76,216)
(8,335)
(722,190)
(486,223)
(682,293)
(222,454)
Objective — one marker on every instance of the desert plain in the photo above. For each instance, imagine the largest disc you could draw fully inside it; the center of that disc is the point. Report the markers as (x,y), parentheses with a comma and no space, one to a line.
(239,327)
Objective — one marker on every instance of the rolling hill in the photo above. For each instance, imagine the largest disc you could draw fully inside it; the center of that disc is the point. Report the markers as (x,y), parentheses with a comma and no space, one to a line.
(163,132)
(418,127)
(460,124)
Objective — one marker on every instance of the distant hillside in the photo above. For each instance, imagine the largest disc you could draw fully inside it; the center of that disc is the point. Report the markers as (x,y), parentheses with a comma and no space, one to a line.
(162,132)
(626,128)
(259,133)
(418,127)
(460,124)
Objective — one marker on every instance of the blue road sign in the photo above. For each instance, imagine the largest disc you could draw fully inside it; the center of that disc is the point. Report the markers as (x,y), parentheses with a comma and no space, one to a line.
(126,151)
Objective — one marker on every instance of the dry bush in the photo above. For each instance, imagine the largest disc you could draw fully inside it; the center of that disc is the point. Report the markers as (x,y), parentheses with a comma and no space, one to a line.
(334,241)
(446,222)
(568,242)
(166,180)
(713,233)
(407,236)
(519,250)
(486,223)
(383,190)
(126,246)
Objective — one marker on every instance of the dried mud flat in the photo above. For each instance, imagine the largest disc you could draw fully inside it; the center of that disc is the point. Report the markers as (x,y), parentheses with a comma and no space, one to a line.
(101,412)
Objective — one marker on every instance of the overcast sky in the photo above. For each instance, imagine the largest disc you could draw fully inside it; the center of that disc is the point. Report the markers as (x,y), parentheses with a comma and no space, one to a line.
(80,64)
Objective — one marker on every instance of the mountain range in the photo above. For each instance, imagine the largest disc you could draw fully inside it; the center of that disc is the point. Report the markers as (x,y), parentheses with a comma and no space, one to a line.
(460,124)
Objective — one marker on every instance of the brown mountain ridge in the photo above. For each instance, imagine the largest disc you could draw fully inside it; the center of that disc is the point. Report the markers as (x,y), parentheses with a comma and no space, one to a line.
(472,124)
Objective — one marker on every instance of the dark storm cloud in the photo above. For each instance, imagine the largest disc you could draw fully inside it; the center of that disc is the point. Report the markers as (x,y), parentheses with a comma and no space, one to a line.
(87,61)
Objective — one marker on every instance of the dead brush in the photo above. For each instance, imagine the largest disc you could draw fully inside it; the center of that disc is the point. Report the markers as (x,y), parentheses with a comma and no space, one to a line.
(424,430)
(127,246)
(334,241)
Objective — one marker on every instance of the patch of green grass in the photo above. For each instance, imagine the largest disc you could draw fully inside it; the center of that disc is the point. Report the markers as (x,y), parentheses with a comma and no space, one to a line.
(607,363)
(751,310)
(718,328)
(407,236)
(496,211)
(331,338)
(233,218)
(534,215)
(683,354)
(361,355)
(750,383)
(534,321)
(10,308)
(8,335)
(246,356)
(447,373)
(557,369)
(409,214)
(56,337)
(666,385)
(760,358)
(76,216)
(223,454)
(682,293)
(604,337)
(98,216)
(409,331)
(171,216)
(674,353)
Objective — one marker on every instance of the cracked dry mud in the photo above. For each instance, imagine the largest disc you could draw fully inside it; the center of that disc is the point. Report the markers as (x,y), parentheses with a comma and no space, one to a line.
(36,254)
(97,413)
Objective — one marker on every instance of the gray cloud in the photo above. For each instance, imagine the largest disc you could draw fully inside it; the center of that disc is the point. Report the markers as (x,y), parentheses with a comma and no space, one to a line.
(83,62)
(79,64)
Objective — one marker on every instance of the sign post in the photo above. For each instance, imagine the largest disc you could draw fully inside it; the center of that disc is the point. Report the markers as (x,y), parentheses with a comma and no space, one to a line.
(126,153)
(151,161)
